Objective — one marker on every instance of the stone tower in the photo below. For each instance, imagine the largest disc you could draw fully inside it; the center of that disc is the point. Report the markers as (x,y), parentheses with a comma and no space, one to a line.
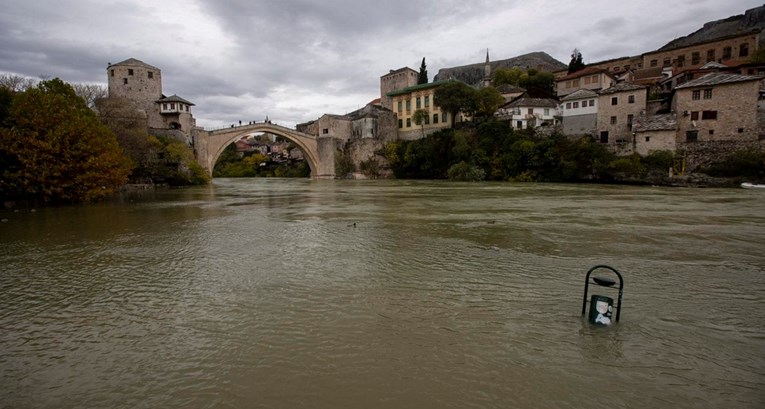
(140,83)
(395,80)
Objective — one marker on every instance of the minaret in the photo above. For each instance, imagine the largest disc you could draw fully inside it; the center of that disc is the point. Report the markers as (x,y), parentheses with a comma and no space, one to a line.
(486,82)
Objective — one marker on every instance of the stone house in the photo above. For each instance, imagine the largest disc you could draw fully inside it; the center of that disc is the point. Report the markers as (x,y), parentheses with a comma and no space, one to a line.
(718,107)
(510,92)
(593,79)
(654,133)
(618,106)
(372,121)
(410,99)
(524,113)
(579,111)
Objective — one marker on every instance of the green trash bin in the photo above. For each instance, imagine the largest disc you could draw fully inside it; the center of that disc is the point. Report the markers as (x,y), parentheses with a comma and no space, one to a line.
(601,308)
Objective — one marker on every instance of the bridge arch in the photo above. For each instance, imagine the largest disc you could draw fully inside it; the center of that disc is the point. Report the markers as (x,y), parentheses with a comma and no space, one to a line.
(318,152)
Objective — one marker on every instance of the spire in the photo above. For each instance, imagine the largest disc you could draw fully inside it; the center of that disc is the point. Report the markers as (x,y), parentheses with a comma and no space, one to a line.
(487,55)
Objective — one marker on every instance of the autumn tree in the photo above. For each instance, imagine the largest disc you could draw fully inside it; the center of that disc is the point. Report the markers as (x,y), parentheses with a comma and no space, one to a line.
(90,93)
(423,77)
(55,150)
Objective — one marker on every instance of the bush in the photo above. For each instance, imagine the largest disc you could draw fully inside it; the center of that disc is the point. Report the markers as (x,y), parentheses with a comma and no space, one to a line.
(748,163)
(465,172)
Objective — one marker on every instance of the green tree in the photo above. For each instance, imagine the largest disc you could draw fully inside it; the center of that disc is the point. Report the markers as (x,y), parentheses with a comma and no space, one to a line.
(488,101)
(455,97)
(509,76)
(419,117)
(55,150)
(538,84)
(423,77)
(576,62)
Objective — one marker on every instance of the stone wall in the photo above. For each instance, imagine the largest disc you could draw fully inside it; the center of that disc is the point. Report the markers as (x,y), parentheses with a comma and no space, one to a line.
(735,105)
(138,82)
(703,153)
(619,132)
(578,125)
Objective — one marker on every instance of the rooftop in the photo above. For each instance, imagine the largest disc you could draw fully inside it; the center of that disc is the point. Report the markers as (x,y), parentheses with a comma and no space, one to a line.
(532,102)
(418,87)
(132,62)
(583,72)
(580,94)
(174,98)
(717,78)
(622,87)
(663,122)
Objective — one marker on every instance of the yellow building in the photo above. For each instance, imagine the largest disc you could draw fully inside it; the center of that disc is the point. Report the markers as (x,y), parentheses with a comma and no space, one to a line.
(410,99)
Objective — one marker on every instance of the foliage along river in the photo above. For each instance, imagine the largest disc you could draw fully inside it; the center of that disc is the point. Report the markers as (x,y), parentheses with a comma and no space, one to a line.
(261,293)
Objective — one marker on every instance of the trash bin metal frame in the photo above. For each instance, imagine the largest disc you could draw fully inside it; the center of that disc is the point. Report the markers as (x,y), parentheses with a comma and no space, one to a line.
(587,285)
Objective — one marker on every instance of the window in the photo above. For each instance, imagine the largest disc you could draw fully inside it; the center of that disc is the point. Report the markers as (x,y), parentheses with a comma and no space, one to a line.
(124,81)
(743,50)
(691,136)
(604,137)
(427,120)
(667,62)
(592,102)
(164,106)
(547,111)
(408,105)
(443,117)
(325,131)
(629,120)
(130,71)
(631,99)
(595,79)
(435,118)
(727,51)
(408,122)
(427,101)
(694,115)
(680,60)
(708,115)
(519,124)
(587,80)
(710,55)
(711,131)
(399,106)
(112,72)
(172,105)
(613,120)
(417,103)
(150,74)
(696,95)
(568,105)
(531,111)
(708,93)
(400,123)
(654,63)
(695,58)
(648,139)
(576,105)
(740,130)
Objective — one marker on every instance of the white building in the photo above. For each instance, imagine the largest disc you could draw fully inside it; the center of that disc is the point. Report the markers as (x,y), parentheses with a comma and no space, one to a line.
(524,113)
(580,112)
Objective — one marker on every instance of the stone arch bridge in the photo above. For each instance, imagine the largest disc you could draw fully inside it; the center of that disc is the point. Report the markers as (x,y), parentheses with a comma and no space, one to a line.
(318,151)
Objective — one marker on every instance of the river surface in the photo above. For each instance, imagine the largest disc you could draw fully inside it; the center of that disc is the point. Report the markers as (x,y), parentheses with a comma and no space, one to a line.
(286,293)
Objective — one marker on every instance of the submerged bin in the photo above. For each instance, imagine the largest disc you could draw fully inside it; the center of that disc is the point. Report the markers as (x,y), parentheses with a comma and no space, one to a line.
(601,308)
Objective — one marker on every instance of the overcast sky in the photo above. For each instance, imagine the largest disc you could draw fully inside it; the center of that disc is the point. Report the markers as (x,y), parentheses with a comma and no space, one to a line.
(295,60)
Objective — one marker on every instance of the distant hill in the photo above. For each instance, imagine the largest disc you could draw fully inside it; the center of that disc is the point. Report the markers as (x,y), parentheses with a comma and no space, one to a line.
(751,20)
(473,74)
